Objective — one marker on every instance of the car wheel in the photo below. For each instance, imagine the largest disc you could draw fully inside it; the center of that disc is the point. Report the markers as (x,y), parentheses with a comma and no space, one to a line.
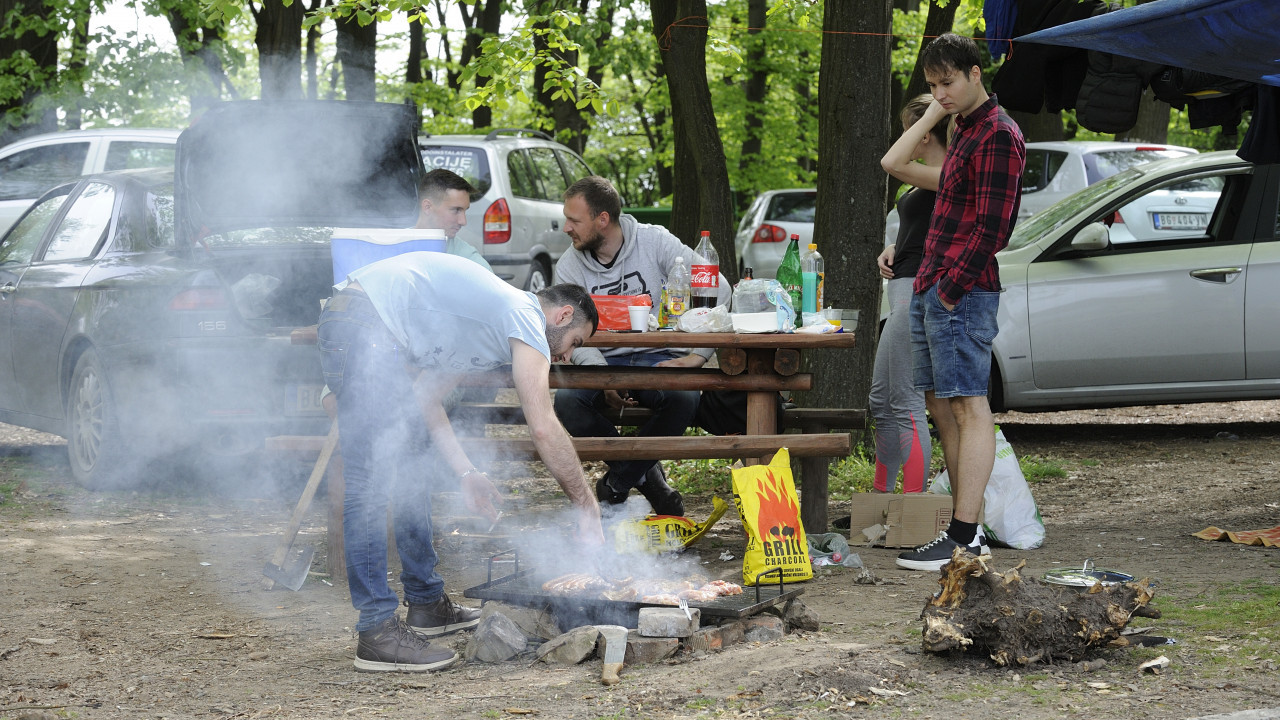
(539,276)
(94,444)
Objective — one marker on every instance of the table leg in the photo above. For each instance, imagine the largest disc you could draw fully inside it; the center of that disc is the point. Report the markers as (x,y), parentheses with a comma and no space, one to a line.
(762,416)
(336,489)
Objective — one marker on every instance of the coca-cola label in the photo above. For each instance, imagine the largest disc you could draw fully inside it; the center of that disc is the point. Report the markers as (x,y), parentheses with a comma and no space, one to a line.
(706,276)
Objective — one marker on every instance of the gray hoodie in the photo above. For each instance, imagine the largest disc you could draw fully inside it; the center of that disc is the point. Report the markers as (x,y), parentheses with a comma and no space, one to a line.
(648,253)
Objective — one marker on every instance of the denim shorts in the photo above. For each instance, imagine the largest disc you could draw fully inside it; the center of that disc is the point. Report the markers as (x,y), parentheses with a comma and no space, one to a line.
(951,349)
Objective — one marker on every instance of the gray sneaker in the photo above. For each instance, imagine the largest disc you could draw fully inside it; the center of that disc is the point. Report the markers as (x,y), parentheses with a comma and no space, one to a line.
(392,646)
(937,552)
(441,617)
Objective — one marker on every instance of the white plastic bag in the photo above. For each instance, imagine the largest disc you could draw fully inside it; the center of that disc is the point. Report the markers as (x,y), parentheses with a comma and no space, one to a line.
(704,320)
(1010,515)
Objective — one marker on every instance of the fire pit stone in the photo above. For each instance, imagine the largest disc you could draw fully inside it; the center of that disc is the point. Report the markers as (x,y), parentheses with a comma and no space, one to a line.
(496,639)
(642,649)
(763,628)
(668,622)
(800,616)
(570,648)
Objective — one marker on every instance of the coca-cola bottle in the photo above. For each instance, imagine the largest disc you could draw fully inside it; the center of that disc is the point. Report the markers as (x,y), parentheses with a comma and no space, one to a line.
(706,274)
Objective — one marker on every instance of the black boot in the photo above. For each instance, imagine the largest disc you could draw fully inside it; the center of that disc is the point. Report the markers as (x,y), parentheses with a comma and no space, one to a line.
(606,494)
(664,499)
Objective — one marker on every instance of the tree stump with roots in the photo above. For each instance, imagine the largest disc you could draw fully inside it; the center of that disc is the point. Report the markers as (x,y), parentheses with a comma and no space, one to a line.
(1021,620)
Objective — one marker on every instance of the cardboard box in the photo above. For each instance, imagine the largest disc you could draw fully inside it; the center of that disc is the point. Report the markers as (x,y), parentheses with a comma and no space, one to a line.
(906,520)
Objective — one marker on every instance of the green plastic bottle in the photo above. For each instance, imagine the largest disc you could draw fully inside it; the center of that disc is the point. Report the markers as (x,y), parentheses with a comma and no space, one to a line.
(788,275)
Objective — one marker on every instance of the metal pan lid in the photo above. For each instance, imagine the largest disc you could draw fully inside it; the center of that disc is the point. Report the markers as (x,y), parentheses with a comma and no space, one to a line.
(1086,576)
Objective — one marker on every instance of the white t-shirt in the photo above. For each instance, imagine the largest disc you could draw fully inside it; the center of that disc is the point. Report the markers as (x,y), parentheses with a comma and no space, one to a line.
(451,314)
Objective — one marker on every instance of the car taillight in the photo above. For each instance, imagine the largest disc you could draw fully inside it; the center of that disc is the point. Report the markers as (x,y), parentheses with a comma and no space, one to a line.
(497,223)
(769,233)
(1150,148)
(199,299)
(1116,219)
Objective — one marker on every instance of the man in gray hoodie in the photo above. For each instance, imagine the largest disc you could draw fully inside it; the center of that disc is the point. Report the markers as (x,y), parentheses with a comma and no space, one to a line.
(613,254)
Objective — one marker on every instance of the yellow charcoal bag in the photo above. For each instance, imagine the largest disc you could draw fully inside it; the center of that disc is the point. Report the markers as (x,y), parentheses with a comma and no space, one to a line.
(765,496)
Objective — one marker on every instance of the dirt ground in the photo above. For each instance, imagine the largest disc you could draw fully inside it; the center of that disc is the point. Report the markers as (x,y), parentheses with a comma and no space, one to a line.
(151,604)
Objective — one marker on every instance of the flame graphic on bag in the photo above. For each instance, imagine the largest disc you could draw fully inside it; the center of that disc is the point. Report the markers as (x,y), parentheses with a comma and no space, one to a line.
(765,496)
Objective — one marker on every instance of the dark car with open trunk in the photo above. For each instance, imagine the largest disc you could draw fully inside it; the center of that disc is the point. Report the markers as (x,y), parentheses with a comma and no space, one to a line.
(148,314)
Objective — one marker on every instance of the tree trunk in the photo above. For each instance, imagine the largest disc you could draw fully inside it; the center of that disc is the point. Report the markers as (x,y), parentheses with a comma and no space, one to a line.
(356,47)
(311,61)
(754,90)
(853,131)
(804,98)
(77,65)
(940,19)
(29,61)
(1039,127)
(279,41)
(205,76)
(490,24)
(697,135)
(1153,121)
(571,124)
(413,76)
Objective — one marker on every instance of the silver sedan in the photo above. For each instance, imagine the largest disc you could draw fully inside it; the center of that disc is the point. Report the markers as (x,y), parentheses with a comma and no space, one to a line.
(1096,316)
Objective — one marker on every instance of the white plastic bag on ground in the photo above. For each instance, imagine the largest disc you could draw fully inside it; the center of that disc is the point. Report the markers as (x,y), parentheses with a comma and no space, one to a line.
(1010,515)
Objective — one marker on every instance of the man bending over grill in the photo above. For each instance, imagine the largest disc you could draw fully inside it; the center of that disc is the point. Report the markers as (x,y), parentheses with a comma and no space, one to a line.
(394,341)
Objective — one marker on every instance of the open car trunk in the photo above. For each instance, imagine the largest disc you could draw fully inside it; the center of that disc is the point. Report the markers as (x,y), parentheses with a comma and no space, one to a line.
(258,164)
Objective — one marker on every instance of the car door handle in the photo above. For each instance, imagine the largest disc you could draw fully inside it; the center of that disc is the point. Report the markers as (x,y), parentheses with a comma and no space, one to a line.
(555,224)
(1221,275)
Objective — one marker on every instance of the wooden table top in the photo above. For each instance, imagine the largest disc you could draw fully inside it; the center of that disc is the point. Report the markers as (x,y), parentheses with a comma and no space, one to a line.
(671,338)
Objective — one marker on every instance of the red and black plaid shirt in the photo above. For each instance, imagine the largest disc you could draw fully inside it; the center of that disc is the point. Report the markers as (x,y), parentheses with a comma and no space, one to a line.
(978,197)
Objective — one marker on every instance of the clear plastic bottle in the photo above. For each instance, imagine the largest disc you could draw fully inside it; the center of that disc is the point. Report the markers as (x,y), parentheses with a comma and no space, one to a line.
(788,275)
(677,290)
(706,275)
(812,278)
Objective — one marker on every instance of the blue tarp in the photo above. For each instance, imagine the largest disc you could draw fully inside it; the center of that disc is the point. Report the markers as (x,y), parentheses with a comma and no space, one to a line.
(1233,38)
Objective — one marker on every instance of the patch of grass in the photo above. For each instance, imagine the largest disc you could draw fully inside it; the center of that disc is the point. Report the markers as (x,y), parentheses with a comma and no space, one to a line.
(493,714)
(9,488)
(700,703)
(1232,628)
(1090,462)
(1037,468)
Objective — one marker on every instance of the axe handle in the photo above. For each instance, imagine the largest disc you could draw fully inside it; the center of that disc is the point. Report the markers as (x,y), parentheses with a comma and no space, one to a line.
(309,492)
(609,673)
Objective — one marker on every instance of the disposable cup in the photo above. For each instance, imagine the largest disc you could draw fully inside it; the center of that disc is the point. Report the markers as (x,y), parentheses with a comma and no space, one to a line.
(639,317)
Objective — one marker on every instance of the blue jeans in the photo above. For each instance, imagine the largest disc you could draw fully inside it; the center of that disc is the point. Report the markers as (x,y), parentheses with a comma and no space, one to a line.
(384,444)
(581,412)
(951,349)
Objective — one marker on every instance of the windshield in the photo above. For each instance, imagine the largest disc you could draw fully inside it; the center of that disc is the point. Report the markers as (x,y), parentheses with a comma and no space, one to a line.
(1037,226)
(469,162)
(270,236)
(792,207)
(1104,164)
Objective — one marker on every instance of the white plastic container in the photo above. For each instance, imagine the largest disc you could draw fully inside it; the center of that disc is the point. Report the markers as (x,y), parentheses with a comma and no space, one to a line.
(353,248)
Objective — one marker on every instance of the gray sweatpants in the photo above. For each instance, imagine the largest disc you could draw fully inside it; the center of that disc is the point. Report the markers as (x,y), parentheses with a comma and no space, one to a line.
(902,431)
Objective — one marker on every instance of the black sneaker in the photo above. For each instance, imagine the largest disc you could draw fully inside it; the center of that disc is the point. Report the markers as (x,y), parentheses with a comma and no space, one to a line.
(664,499)
(937,552)
(393,647)
(441,617)
(606,494)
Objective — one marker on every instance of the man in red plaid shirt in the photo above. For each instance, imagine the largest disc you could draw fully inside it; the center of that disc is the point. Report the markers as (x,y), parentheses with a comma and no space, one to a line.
(957,289)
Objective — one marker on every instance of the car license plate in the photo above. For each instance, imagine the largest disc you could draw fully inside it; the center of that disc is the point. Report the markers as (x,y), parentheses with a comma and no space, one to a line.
(305,399)
(1180,221)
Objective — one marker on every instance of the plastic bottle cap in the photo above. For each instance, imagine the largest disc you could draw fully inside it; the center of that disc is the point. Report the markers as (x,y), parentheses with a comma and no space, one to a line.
(706,233)
(813,246)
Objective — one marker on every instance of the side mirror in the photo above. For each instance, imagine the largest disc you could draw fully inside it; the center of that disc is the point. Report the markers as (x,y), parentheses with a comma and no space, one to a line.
(1094,236)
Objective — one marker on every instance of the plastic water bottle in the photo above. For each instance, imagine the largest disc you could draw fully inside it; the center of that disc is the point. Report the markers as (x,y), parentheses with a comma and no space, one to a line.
(706,274)
(678,285)
(812,277)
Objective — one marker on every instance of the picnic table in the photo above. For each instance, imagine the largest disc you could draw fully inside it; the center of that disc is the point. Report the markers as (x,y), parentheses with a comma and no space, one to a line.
(759,364)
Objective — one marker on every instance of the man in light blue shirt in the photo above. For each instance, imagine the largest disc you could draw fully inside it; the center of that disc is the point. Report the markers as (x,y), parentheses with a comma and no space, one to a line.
(394,342)
(445,200)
